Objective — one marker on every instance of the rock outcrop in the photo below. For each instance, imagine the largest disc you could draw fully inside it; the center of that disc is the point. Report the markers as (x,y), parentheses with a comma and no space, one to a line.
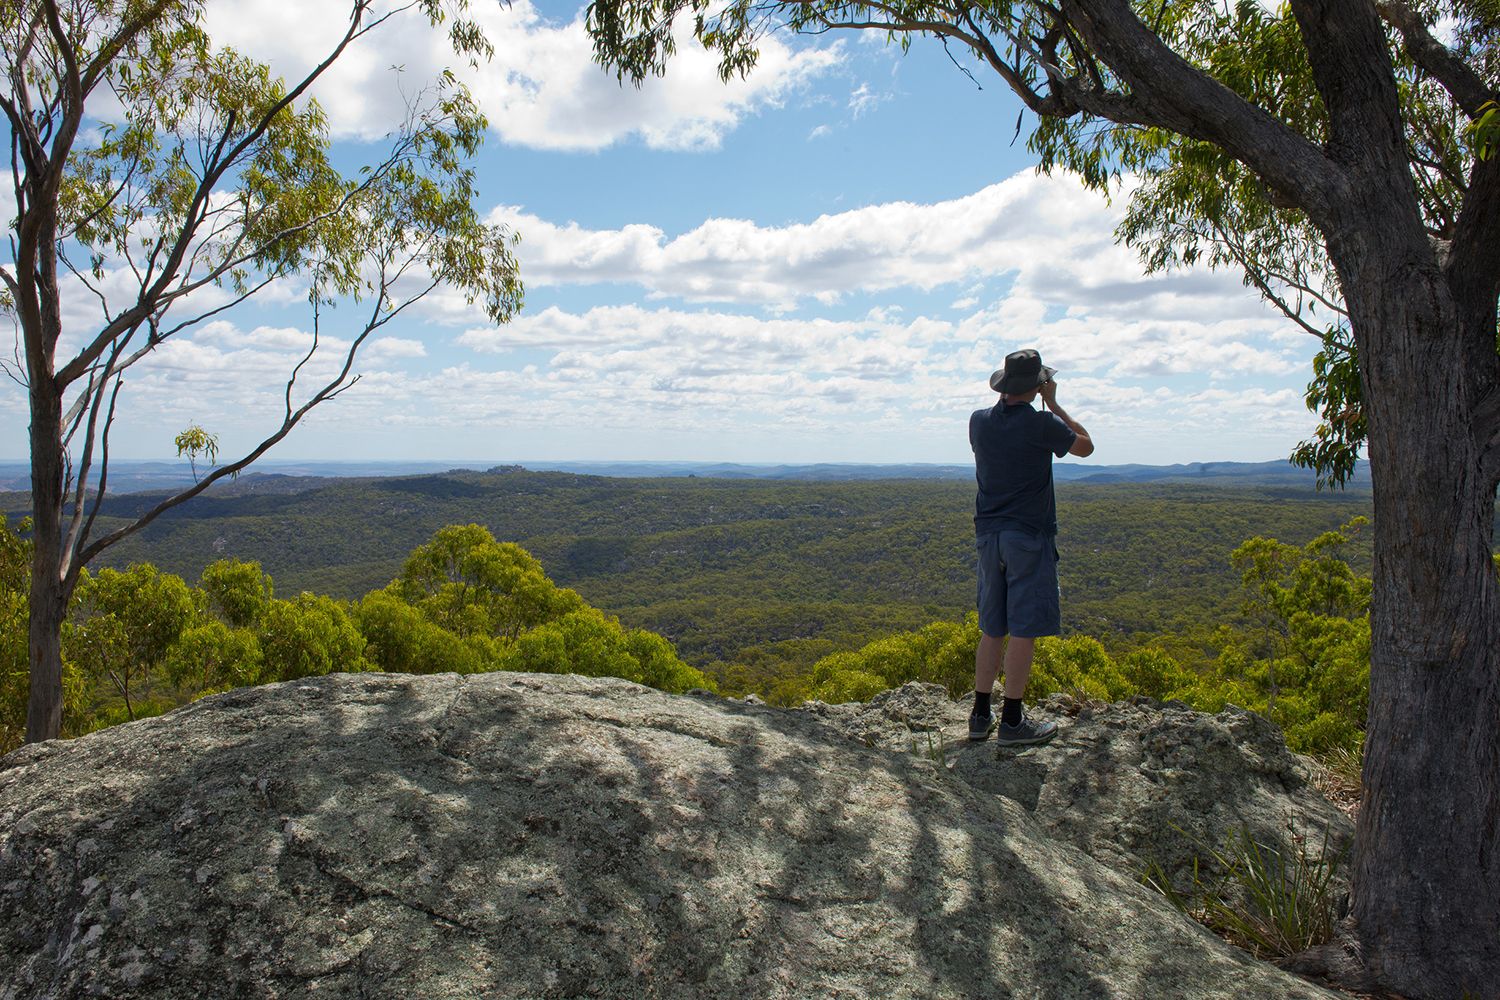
(1131,784)
(517,835)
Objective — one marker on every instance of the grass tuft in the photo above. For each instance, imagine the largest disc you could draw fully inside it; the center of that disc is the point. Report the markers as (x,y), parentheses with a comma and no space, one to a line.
(1337,774)
(1345,769)
(1270,902)
(935,750)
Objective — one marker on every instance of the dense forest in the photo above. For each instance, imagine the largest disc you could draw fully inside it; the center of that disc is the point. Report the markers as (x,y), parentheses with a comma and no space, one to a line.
(788,590)
(752,577)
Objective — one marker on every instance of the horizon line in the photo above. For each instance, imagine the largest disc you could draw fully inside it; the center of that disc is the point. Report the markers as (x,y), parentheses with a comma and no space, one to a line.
(492,463)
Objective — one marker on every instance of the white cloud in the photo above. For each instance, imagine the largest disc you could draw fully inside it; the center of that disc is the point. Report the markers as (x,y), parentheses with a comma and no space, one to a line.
(704,344)
(707,373)
(924,358)
(819,132)
(390,348)
(542,88)
(863,100)
(1056,238)
(1063,286)
(263,338)
(233,381)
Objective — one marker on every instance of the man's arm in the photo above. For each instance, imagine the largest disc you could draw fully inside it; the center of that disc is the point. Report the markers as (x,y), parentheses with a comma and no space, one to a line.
(1083,445)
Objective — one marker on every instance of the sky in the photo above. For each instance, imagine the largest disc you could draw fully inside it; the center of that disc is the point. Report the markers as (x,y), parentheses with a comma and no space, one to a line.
(820,263)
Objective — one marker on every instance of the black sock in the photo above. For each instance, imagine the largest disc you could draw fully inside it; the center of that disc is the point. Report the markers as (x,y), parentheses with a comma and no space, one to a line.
(1010,712)
(981,703)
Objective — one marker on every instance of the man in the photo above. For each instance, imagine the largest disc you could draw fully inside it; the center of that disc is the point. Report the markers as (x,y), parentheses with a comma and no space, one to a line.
(1015,521)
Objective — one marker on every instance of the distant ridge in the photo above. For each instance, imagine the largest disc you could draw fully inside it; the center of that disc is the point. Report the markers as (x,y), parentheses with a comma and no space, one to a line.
(736,470)
(1257,473)
(294,477)
(1229,473)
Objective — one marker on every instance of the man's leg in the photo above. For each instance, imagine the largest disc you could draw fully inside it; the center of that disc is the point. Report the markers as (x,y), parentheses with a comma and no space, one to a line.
(1015,728)
(992,629)
(987,662)
(986,668)
(1018,655)
(1032,611)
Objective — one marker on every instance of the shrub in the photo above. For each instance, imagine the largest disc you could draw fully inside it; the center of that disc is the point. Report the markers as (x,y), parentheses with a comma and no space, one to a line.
(121,629)
(1154,673)
(237,593)
(471,584)
(308,637)
(590,643)
(399,639)
(1076,665)
(212,657)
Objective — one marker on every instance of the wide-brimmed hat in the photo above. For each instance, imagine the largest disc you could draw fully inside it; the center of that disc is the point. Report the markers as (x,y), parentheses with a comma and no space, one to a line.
(1023,372)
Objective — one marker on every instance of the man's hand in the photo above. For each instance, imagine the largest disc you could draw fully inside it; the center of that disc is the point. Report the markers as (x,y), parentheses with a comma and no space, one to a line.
(1083,445)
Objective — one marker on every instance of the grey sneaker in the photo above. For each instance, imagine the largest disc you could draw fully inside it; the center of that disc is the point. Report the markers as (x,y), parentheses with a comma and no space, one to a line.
(1027,732)
(980,727)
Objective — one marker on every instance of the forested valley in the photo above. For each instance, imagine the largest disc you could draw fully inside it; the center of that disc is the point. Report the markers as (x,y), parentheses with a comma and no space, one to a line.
(789,590)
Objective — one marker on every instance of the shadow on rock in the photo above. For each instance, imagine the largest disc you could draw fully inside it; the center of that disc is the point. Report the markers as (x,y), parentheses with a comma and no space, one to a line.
(521,835)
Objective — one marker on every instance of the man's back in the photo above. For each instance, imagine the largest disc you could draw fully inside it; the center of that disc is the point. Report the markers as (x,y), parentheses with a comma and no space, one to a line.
(1013,449)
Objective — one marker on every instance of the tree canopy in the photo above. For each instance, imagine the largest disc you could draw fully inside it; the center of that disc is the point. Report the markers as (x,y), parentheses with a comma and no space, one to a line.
(162,181)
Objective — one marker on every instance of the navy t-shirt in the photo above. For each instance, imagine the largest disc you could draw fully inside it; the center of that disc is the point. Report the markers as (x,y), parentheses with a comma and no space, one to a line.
(1013,449)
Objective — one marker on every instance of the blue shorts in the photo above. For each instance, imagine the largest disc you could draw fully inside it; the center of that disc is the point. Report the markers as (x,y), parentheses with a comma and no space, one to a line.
(1018,585)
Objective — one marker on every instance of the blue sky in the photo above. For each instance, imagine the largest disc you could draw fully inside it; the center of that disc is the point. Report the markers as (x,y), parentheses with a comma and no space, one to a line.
(821,263)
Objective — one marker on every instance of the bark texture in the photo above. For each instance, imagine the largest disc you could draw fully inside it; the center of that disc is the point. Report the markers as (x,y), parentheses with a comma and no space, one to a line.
(1427,872)
(1427,868)
(49,589)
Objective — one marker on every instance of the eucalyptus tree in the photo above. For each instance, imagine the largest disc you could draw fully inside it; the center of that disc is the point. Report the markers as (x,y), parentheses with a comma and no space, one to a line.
(468,583)
(124,624)
(158,182)
(1343,152)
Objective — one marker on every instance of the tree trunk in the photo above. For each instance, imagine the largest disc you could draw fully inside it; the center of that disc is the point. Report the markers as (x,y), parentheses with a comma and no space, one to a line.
(49,589)
(1427,865)
(44,709)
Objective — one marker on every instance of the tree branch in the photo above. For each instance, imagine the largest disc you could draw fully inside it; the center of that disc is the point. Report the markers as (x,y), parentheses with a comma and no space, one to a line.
(78,534)
(96,390)
(1473,265)
(1353,74)
(1301,287)
(73,87)
(160,336)
(94,290)
(105,204)
(1466,87)
(157,298)
(15,369)
(212,176)
(1175,95)
(74,417)
(982,45)
(291,419)
(1291,313)
(111,49)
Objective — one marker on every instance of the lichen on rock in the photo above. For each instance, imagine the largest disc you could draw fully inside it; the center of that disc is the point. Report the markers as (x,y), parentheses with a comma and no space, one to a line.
(1132,784)
(540,836)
